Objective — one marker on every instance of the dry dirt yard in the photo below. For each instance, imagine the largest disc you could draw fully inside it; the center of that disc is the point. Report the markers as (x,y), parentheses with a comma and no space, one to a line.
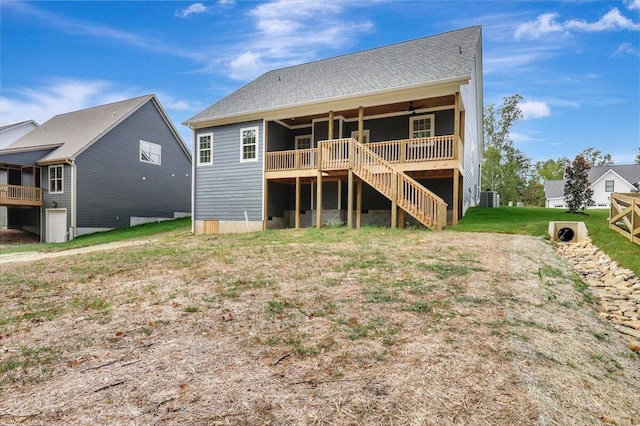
(336,327)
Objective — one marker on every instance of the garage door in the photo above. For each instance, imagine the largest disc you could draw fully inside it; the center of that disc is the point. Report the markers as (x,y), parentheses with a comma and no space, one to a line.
(56,225)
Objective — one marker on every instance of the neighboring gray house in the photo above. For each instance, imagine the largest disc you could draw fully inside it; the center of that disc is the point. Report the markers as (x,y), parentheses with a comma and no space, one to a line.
(405,138)
(100,168)
(10,133)
(603,180)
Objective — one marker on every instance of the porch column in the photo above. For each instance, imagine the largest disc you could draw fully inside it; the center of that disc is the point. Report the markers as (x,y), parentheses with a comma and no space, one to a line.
(297,213)
(361,124)
(319,200)
(350,198)
(456,195)
(456,125)
(394,200)
(401,218)
(330,126)
(359,204)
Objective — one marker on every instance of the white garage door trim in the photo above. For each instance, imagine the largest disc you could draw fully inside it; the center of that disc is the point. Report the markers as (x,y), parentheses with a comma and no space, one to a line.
(56,225)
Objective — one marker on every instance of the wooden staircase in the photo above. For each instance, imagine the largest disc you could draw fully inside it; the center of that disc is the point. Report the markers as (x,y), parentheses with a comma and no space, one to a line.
(397,186)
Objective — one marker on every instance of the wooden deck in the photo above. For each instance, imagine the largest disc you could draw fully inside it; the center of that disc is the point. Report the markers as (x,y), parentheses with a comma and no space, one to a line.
(435,153)
(20,196)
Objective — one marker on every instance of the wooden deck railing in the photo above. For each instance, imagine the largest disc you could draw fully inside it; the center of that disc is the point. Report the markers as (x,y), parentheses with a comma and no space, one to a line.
(624,216)
(18,195)
(335,155)
(299,159)
(409,194)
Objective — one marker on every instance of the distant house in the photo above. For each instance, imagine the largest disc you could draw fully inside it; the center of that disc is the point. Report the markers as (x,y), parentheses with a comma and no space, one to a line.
(383,136)
(100,168)
(10,133)
(603,181)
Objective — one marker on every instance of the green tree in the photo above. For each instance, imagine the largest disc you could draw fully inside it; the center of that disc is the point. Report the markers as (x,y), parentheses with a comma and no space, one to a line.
(505,168)
(577,193)
(638,156)
(552,169)
(596,158)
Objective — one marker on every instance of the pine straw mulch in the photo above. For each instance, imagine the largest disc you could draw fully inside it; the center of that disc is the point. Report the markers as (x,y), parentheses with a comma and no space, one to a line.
(311,327)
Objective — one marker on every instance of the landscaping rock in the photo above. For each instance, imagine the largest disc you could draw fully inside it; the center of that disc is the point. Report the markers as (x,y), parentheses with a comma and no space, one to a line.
(616,289)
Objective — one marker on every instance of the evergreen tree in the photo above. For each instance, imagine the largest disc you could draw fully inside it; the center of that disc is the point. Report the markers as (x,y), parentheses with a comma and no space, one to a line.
(577,193)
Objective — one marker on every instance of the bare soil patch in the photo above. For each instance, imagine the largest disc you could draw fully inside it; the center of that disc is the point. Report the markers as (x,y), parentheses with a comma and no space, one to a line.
(311,327)
(9,237)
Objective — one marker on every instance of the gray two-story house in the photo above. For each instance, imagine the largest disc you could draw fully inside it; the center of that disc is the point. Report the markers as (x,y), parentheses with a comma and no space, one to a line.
(384,136)
(106,167)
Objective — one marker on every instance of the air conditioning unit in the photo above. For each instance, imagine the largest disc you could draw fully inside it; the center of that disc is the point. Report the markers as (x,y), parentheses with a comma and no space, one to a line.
(489,199)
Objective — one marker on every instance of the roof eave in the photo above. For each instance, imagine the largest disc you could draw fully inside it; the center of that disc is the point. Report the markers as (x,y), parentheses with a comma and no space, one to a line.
(268,112)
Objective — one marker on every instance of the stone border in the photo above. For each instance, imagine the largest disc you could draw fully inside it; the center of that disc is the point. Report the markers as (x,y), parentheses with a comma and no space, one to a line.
(617,289)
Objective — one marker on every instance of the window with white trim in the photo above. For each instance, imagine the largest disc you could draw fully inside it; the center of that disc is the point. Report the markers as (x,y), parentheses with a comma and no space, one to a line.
(205,149)
(150,152)
(365,135)
(609,185)
(249,144)
(56,179)
(304,142)
(422,126)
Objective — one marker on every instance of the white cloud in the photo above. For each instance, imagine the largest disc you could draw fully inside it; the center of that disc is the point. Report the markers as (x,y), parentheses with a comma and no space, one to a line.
(193,9)
(548,23)
(632,4)
(534,109)
(625,49)
(246,66)
(612,20)
(289,32)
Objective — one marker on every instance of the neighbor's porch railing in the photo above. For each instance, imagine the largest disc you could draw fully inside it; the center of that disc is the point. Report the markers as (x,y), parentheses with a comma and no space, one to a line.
(624,216)
(335,153)
(18,195)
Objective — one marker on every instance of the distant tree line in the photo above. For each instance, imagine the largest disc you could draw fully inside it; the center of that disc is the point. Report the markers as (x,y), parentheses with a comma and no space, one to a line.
(508,171)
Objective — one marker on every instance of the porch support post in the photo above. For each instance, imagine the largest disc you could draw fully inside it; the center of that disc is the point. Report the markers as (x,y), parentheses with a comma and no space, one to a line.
(456,195)
(359,204)
(265,208)
(297,213)
(360,124)
(350,199)
(394,200)
(456,125)
(339,194)
(319,201)
(330,126)
(401,218)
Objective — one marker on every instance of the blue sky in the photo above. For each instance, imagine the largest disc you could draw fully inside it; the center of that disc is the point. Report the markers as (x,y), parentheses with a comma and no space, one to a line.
(575,62)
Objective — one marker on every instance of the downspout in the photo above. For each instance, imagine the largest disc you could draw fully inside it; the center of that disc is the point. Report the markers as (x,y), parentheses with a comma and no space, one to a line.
(74,180)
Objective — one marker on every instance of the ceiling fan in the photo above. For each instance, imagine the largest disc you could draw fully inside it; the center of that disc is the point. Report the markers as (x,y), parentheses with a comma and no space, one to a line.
(412,109)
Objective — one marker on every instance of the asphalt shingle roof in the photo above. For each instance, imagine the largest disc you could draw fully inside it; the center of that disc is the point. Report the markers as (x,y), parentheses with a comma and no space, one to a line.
(72,132)
(629,172)
(426,60)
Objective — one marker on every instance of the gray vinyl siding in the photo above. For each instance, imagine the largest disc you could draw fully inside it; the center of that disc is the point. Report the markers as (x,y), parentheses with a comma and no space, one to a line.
(393,128)
(62,200)
(24,158)
(472,144)
(113,184)
(228,187)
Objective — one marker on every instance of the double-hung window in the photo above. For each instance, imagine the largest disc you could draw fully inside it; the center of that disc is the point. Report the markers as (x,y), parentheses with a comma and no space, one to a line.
(249,144)
(56,179)
(205,149)
(609,185)
(150,152)
(422,126)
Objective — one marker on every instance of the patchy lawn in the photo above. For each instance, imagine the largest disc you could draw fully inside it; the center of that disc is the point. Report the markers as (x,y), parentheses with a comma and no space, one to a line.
(328,326)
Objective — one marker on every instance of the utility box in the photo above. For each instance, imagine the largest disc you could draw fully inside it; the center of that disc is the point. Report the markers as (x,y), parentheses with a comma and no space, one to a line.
(489,199)
(568,232)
